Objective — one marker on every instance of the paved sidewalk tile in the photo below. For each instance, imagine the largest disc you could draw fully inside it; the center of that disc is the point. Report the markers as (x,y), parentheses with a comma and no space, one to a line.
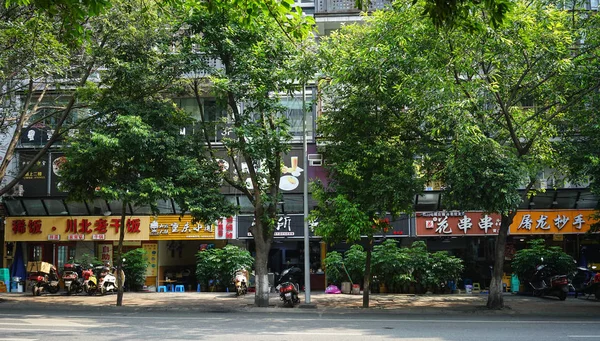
(379,303)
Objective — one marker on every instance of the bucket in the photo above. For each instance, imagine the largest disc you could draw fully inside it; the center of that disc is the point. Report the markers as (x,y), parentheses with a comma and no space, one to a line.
(16,287)
(346,287)
(355,289)
(468,289)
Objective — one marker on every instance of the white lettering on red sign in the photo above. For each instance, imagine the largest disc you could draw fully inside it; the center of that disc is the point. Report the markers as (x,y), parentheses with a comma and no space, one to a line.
(54,237)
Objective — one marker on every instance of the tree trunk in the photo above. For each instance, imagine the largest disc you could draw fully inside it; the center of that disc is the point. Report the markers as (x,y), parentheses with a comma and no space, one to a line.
(367,279)
(120,256)
(261,277)
(495,299)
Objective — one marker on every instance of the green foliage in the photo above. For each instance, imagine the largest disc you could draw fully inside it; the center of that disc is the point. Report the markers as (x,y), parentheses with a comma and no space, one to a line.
(391,265)
(135,266)
(396,267)
(525,261)
(85,260)
(354,260)
(334,266)
(221,264)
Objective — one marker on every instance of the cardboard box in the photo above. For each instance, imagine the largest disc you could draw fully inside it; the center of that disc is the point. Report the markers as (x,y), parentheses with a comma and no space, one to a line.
(39,267)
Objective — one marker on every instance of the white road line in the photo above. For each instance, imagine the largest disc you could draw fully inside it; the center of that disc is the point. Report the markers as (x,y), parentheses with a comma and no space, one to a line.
(585,336)
(313,333)
(18,339)
(39,330)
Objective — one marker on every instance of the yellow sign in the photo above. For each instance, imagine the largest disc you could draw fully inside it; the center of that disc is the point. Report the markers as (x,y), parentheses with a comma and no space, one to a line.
(174,227)
(552,222)
(90,228)
(152,258)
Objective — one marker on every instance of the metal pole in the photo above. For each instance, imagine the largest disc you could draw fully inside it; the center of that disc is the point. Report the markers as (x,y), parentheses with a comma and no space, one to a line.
(305,196)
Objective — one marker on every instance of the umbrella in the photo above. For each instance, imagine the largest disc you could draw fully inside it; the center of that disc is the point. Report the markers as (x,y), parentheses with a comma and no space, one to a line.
(17,269)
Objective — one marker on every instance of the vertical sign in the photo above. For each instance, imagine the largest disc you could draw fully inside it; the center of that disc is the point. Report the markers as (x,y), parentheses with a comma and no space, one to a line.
(151,258)
(106,253)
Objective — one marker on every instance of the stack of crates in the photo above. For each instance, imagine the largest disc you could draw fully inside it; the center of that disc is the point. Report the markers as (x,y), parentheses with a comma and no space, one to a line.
(4,279)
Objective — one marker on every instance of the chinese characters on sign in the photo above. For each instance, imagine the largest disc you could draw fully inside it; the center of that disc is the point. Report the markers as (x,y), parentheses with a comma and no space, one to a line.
(81,228)
(174,227)
(455,223)
(552,222)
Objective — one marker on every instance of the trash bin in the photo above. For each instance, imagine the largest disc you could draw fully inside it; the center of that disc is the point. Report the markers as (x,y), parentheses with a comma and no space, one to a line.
(514,283)
(468,288)
(16,285)
(346,287)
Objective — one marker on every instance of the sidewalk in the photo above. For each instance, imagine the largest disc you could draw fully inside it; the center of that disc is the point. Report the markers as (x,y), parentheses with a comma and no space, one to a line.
(450,305)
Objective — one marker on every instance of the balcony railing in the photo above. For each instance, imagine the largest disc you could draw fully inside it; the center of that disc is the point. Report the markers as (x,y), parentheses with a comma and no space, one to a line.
(346,6)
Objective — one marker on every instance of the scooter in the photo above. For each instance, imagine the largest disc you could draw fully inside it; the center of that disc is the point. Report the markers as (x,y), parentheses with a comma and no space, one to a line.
(586,282)
(288,286)
(42,280)
(90,281)
(544,284)
(108,281)
(73,278)
(241,282)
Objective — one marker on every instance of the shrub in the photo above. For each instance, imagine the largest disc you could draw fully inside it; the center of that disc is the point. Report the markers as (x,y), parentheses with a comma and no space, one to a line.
(355,261)
(135,266)
(390,265)
(86,260)
(221,264)
(525,261)
(334,266)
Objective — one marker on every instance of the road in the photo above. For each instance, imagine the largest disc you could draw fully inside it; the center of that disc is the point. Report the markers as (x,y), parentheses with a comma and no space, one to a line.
(278,326)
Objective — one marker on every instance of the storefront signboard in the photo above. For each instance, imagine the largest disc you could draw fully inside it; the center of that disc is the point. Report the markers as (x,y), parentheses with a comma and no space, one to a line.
(286,226)
(552,222)
(74,229)
(456,223)
(175,227)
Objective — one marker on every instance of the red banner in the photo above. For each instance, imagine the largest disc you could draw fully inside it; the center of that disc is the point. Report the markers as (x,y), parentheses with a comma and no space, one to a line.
(456,223)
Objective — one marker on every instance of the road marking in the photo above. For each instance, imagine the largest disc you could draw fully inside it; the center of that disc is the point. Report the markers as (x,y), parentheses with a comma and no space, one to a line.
(585,336)
(40,330)
(18,339)
(312,333)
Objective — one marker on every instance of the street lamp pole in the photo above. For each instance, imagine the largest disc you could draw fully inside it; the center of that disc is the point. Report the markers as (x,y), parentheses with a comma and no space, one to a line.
(305,197)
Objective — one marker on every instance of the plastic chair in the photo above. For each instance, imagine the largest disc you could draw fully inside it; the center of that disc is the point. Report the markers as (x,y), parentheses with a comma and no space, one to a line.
(476,288)
(162,288)
(179,288)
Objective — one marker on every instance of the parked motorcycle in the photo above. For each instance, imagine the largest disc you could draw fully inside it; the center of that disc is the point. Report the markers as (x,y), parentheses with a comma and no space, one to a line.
(545,283)
(90,280)
(586,282)
(73,278)
(108,280)
(240,280)
(45,278)
(288,286)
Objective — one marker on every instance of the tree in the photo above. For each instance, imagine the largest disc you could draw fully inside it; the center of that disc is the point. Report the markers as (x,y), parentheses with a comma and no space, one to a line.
(255,58)
(488,102)
(42,49)
(371,138)
(132,151)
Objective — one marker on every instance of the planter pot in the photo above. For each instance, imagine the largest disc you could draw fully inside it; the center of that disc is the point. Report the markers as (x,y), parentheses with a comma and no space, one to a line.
(382,289)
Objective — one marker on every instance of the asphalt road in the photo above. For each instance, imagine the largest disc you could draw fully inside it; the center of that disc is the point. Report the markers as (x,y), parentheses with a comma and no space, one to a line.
(161,325)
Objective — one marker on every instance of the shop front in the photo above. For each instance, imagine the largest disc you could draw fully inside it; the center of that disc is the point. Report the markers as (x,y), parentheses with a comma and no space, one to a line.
(566,228)
(287,249)
(173,244)
(57,240)
(466,235)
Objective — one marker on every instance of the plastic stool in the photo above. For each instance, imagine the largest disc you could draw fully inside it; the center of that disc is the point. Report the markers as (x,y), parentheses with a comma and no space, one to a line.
(179,288)
(476,288)
(162,288)
(198,288)
(170,288)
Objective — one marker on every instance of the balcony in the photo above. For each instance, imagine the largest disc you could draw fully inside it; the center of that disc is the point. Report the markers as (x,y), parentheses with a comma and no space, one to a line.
(345,7)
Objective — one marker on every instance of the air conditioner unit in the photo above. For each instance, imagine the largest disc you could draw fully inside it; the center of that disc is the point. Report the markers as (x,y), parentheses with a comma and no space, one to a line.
(315,160)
